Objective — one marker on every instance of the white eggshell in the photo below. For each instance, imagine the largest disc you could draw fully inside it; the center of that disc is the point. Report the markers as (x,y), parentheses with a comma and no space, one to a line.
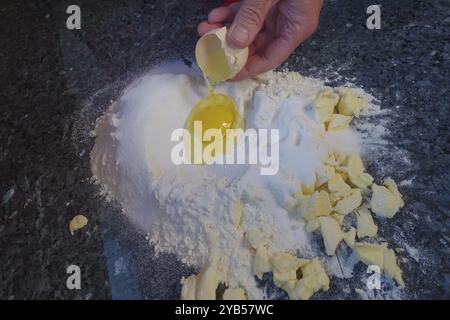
(210,50)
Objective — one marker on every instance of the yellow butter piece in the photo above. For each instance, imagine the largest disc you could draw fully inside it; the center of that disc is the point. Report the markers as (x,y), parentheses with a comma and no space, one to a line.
(354,164)
(380,255)
(324,104)
(331,233)
(331,160)
(338,217)
(391,268)
(77,222)
(392,187)
(234,294)
(383,202)
(188,288)
(324,175)
(349,203)
(339,122)
(365,225)
(285,267)
(318,204)
(349,237)
(280,278)
(314,278)
(261,262)
(343,173)
(338,187)
(350,102)
(334,198)
(257,237)
(283,261)
(370,254)
(208,280)
(340,157)
(289,287)
(362,180)
(356,174)
(308,189)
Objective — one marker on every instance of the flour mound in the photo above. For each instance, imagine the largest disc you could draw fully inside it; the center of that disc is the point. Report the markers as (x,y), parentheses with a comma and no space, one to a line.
(180,207)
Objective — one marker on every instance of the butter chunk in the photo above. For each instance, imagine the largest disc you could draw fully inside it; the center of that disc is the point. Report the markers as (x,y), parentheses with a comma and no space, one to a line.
(308,189)
(234,294)
(188,287)
(340,157)
(314,278)
(339,122)
(383,202)
(208,280)
(77,222)
(338,217)
(349,203)
(349,237)
(392,187)
(350,102)
(283,261)
(331,160)
(338,187)
(324,104)
(285,268)
(365,225)
(362,181)
(261,262)
(331,233)
(257,237)
(380,255)
(324,175)
(356,174)
(318,204)
(391,268)
(370,254)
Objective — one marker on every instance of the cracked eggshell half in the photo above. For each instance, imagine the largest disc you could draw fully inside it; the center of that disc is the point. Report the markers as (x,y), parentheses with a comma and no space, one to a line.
(218,60)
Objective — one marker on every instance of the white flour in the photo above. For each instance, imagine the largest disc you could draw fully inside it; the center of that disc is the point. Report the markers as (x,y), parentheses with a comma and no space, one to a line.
(181,206)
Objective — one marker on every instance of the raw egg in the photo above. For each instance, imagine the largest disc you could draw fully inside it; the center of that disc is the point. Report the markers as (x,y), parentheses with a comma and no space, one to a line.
(217,111)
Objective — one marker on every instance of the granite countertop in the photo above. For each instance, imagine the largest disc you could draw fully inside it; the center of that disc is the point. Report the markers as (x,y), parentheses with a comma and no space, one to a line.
(55,82)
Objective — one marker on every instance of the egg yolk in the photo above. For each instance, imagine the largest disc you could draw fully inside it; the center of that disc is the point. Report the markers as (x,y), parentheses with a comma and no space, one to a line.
(216,111)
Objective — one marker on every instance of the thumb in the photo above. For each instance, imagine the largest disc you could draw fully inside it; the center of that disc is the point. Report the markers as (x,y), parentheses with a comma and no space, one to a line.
(248,22)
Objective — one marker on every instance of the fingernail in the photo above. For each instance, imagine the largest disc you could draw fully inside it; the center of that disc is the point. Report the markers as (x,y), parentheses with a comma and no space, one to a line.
(240,34)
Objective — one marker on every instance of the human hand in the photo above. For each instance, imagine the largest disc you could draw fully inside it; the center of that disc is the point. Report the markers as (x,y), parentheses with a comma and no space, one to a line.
(272,29)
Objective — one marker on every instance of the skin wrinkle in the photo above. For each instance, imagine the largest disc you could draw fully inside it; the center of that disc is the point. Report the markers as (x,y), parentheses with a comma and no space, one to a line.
(253,17)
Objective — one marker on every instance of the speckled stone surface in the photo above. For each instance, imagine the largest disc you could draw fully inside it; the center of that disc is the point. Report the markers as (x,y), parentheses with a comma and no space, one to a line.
(55,83)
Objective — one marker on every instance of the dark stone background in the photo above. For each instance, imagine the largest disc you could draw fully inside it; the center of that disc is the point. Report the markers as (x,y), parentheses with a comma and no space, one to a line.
(55,82)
